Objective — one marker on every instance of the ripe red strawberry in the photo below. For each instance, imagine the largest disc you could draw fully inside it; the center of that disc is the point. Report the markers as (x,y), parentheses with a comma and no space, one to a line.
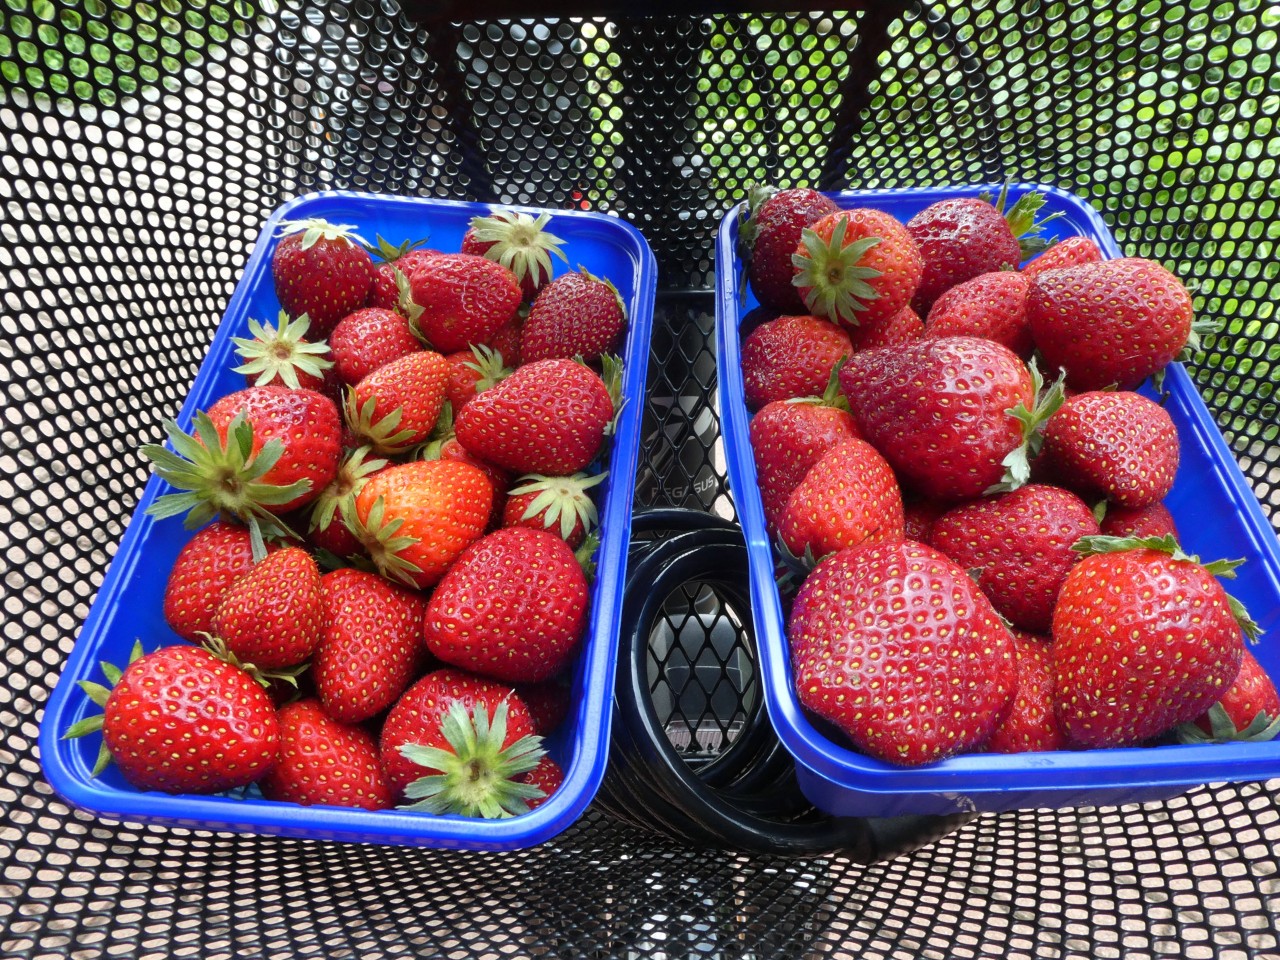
(330,511)
(465,299)
(368,339)
(282,354)
(414,519)
(769,235)
(790,357)
(396,407)
(1070,252)
(320,269)
(949,414)
(1249,710)
(519,242)
(473,371)
(293,439)
(1110,323)
(448,448)
(575,315)
(856,266)
(1153,520)
(513,607)
(991,305)
(787,438)
(322,761)
(562,505)
(182,720)
(547,777)
(850,496)
(1117,445)
(476,730)
(905,326)
(918,517)
(506,342)
(388,290)
(893,644)
(1020,545)
(273,616)
(548,417)
(1144,638)
(1031,724)
(210,562)
(548,703)
(371,648)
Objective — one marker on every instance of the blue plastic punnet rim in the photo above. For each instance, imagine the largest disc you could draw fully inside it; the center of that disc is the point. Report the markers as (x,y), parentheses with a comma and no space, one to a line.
(1217,516)
(129,603)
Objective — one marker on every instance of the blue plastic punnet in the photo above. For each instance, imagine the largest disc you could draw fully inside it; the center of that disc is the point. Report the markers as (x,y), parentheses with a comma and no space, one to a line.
(1217,516)
(129,604)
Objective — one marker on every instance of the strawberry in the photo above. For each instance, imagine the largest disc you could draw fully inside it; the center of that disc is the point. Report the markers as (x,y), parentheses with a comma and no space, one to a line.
(856,267)
(450,449)
(320,269)
(1153,520)
(322,761)
(548,703)
(1019,543)
(548,417)
(475,732)
(893,644)
(770,227)
(562,505)
(790,357)
(1070,252)
(256,454)
(330,511)
(576,315)
(513,607)
(1144,638)
(518,242)
(414,519)
(949,414)
(473,371)
(182,720)
(368,339)
(1249,710)
(371,647)
(396,407)
(273,616)
(389,260)
(1112,323)
(465,299)
(547,777)
(1031,724)
(905,326)
(991,305)
(208,564)
(918,517)
(850,496)
(506,342)
(282,354)
(1117,445)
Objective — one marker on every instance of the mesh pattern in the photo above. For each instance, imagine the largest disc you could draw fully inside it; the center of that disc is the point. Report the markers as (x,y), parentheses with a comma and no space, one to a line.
(142,145)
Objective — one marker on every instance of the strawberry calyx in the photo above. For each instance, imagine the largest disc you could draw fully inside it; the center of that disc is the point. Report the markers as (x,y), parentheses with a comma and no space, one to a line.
(1021,217)
(384,251)
(798,567)
(219,477)
(280,352)
(562,501)
(1017,462)
(520,243)
(98,694)
(1168,544)
(407,308)
(586,556)
(338,498)
(477,776)
(314,229)
(831,272)
(748,213)
(441,434)
(382,434)
(490,365)
(611,374)
(263,675)
(1223,730)
(379,538)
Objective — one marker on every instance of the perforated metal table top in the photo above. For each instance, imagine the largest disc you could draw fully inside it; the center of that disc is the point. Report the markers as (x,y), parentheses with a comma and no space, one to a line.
(142,146)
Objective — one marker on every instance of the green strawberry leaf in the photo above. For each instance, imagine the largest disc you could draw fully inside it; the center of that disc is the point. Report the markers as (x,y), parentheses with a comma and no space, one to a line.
(1017,462)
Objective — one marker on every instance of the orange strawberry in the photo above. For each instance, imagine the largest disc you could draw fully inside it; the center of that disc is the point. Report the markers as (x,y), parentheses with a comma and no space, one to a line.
(273,616)
(323,761)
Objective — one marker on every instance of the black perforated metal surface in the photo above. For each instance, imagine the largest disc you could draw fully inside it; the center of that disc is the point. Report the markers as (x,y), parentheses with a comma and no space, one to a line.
(141,147)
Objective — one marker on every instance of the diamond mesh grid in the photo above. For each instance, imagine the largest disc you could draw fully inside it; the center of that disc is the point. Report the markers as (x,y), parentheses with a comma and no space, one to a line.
(142,145)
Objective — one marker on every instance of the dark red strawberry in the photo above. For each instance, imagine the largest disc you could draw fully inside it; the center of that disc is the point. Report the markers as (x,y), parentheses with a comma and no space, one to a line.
(517,241)
(473,371)
(1249,710)
(548,702)
(387,290)
(506,342)
(769,235)
(548,417)
(322,761)
(210,562)
(182,720)
(320,269)
(273,616)
(368,339)
(893,644)
(1019,545)
(1112,323)
(905,326)
(1144,638)
(856,266)
(992,305)
(547,777)
(371,648)
(918,517)
(1070,252)
(1112,444)
(513,607)
(396,407)
(575,315)
(791,357)
(1153,520)
(281,354)
(465,300)
(476,731)
(850,496)
(562,505)
(1031,724)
